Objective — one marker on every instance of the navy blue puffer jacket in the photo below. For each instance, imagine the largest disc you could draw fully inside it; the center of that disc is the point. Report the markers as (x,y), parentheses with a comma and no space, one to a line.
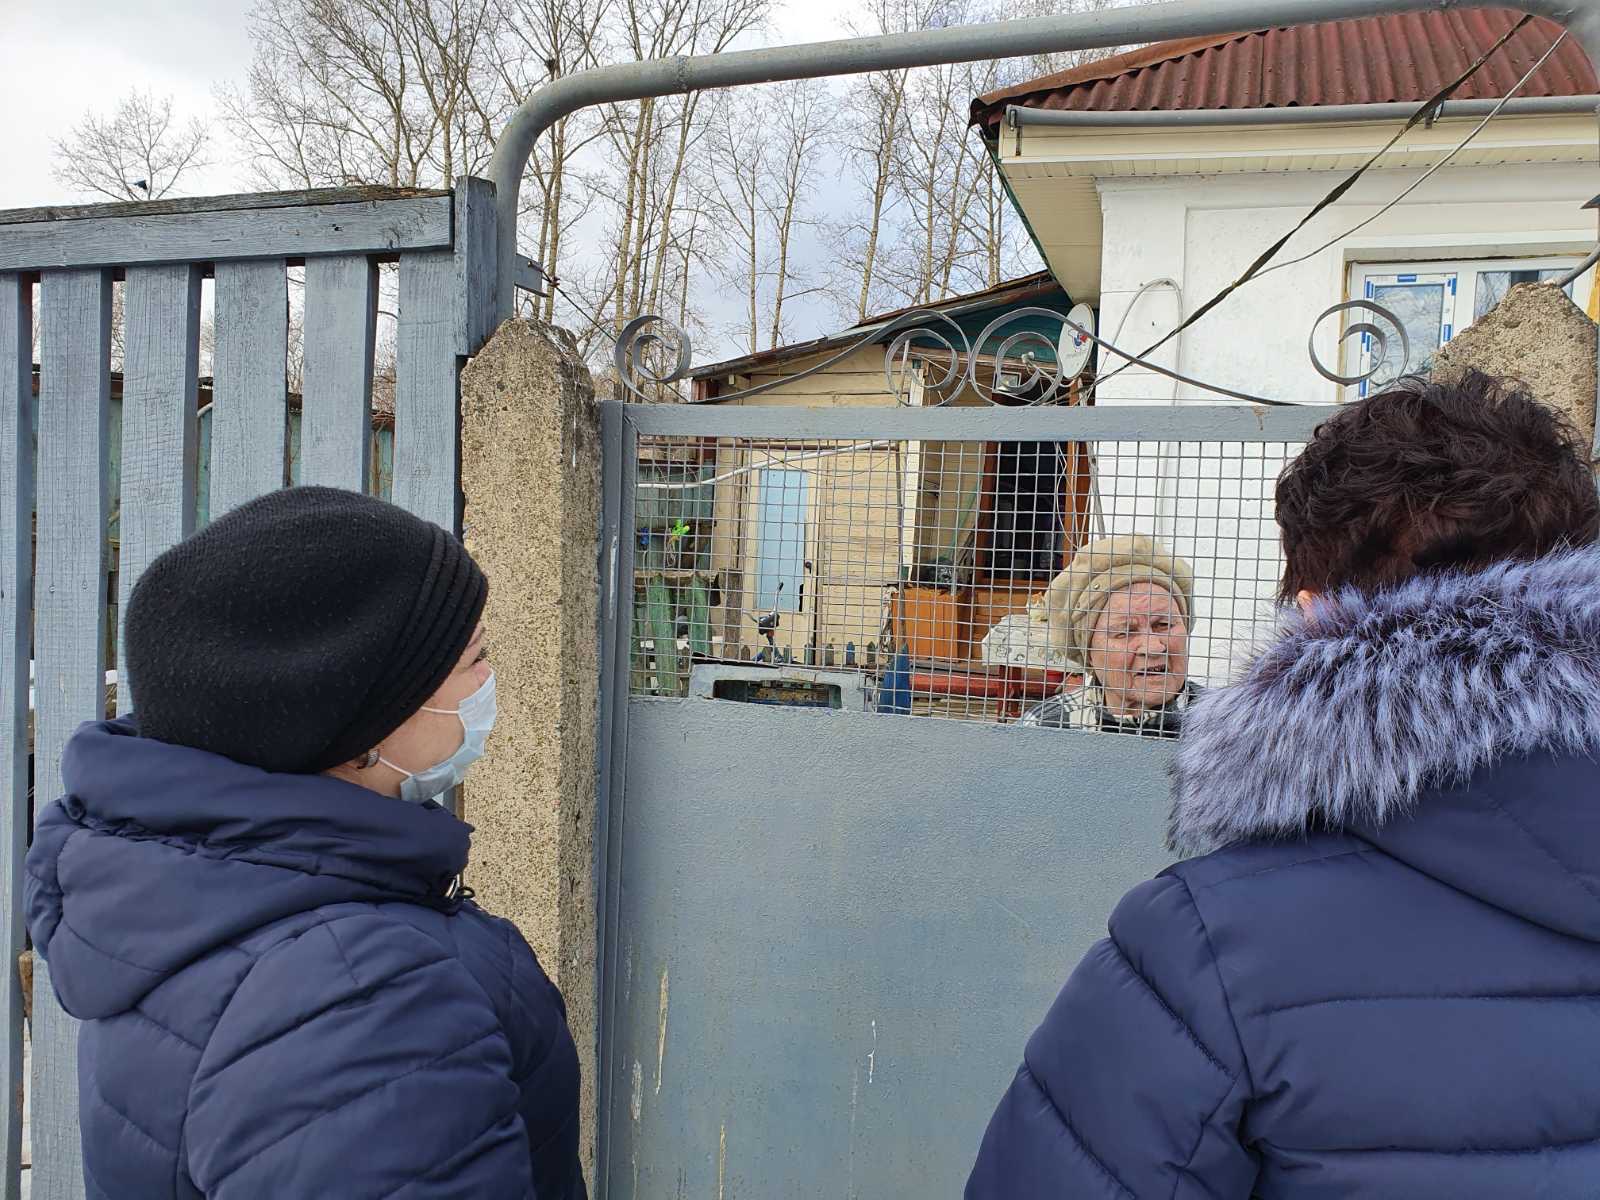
(279,1000)
(1386,983)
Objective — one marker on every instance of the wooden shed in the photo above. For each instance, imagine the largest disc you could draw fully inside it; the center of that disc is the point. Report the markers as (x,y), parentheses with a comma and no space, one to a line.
(844,553)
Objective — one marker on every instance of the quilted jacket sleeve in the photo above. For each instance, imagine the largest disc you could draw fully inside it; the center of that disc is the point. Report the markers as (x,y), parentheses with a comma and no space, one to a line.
(358,1060)
(1135,1085)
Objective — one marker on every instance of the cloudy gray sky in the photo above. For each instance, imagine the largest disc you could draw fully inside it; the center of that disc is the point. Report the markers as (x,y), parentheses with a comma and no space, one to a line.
(61,57)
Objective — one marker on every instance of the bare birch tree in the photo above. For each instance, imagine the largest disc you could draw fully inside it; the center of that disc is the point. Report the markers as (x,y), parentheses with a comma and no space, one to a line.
(538,42)
(931,215)
(653,143)
(345,92)
(737,163)
(796,121)
(138,151)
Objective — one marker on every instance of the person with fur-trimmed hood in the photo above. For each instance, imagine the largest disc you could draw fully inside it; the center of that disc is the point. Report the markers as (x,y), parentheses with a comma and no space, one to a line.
(1380,976)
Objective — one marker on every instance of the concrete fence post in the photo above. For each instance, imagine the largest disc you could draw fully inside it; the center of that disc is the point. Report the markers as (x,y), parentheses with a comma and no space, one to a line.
(1540,338)
(530,468)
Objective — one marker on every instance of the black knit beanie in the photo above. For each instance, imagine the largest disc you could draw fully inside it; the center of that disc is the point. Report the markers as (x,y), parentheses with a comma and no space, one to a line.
(300,630)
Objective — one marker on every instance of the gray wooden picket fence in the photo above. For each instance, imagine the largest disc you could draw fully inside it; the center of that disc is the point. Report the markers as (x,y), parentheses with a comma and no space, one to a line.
(63,263)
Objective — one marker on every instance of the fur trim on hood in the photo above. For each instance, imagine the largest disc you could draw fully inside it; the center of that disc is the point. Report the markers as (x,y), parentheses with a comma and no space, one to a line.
(1351,713)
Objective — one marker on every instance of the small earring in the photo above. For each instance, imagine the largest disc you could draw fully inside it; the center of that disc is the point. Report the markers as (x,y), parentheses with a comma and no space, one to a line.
(369,760)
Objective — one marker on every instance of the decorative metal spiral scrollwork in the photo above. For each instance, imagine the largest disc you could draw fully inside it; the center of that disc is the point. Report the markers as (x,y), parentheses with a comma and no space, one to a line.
(641,346)
(1043,380)
(1379,351)
(652,352)
(918,330)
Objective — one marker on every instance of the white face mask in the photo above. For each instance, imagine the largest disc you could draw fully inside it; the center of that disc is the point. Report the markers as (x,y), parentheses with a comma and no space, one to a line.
(477,713)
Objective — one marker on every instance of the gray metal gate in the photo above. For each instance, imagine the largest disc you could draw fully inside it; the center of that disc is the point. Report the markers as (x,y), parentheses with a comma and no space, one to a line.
(826,934)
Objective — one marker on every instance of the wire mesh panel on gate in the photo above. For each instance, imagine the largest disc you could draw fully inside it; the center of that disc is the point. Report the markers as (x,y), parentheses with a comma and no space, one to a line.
(915,577)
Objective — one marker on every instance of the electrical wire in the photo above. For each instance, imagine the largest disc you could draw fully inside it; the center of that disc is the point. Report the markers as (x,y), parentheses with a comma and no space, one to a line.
(555,286)
(1115,339)
(1426,175)
(1426,112)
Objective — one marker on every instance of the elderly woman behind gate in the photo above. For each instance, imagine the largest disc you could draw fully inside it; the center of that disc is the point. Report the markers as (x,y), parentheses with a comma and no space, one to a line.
(1122,608)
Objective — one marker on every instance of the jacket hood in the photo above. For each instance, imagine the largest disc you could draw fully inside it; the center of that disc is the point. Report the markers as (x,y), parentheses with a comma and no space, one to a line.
(1453,720)
(160,854)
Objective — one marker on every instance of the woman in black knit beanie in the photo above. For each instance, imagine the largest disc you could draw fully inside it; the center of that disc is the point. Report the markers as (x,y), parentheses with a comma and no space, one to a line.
(252,897)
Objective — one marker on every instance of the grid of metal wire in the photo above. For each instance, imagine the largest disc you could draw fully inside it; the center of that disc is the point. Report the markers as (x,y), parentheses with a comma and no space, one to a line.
(1079,585)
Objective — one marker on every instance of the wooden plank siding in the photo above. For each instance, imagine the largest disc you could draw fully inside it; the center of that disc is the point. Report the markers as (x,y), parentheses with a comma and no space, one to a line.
(16,635)
(446,312)
(74,413)
(855,379)
(232,202)
(250,391)
(134,236)
(160,392)
(341,321)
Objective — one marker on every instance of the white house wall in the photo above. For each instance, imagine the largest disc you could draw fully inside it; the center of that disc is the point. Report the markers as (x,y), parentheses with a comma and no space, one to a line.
(1213,502)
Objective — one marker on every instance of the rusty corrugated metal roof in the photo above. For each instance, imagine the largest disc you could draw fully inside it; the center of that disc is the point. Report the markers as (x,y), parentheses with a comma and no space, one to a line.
(1372,60)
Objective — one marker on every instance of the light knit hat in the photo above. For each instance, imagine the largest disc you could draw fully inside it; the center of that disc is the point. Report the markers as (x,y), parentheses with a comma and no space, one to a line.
(1077,596)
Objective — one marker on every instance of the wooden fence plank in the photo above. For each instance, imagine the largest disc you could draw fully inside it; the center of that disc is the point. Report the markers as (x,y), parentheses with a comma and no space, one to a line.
(446,314)
(232,202)
(373,227)
(75,402)
(425,389)
(336,397)
(159,394)
(477,263)
(16,631)
(249,415)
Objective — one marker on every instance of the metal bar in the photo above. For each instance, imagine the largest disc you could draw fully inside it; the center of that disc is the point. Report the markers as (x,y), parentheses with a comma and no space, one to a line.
(620,470)
(1113,423)
(159,442)
(74,412)
(1018,116)
(377,227)
(341,324)
(962,43)
(250,397)
(16,633)
(1571,276)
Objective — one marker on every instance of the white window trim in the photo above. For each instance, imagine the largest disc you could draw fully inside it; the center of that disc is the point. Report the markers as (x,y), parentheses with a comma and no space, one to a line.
(1462,272)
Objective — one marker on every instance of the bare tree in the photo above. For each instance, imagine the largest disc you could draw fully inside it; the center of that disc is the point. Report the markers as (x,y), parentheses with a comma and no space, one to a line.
(139,151)
(932,216)
(653,144)
(872,125)
(933,180)
(539,41)
(737,162)
(366,92)
(873,115)
(797,115)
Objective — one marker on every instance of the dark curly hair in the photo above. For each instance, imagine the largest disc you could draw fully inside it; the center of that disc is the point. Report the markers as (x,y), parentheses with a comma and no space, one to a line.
(1432,477)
